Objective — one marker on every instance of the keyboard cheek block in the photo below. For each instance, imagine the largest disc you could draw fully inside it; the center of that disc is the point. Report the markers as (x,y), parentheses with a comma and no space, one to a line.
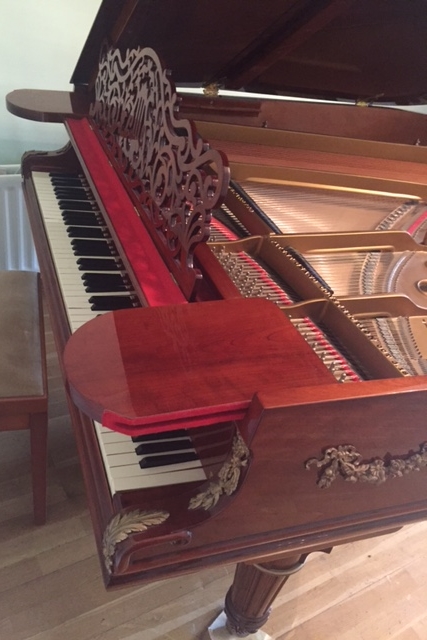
(155,369)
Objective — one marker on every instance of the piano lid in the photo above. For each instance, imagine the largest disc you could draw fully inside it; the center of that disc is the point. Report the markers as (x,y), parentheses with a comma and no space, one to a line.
(370,50)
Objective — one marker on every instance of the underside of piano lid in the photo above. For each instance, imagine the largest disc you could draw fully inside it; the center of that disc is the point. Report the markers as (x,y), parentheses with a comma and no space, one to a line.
(334,49)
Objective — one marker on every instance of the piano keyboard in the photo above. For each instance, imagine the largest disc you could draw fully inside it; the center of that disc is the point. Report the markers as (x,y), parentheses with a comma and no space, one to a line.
(98,265)
(70,277)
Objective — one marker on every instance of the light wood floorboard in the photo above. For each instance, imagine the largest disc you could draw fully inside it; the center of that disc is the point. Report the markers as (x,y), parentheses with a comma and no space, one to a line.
(51,586)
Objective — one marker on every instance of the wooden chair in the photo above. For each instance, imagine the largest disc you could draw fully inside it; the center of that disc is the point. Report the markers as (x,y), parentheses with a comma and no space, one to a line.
(23,385)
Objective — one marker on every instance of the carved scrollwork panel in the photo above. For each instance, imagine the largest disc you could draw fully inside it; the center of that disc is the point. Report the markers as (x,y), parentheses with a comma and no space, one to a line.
(122,525)
(227,479)
(346,462)
(176,178)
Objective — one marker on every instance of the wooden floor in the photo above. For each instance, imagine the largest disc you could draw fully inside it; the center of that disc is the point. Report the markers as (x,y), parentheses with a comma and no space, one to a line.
(51,587)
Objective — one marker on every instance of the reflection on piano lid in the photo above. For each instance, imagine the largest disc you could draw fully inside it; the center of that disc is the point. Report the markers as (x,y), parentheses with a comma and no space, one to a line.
(161,382)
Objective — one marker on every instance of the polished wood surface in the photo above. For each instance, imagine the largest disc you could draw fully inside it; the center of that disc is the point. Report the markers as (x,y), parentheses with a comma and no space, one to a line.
(196,364)
(51,587)
(374,123)
(380,124)
(47,106)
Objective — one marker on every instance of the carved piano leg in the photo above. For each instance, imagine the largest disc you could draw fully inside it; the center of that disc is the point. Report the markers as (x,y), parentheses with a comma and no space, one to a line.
(255,586)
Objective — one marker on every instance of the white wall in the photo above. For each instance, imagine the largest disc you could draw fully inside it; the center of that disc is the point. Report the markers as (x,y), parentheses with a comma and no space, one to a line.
(40,41)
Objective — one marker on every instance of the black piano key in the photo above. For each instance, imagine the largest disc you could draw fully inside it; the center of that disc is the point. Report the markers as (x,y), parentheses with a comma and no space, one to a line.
(99,264)
(105,282)
(59,175)
(111,303)
(72,182)
(65,182)
(73,193)
(164,460)
(92,247)
(99,288)
(87,232)
(77,205)
(164,435)
(99,278)
(90,219)
(105,288)
(81,213)
(147,448)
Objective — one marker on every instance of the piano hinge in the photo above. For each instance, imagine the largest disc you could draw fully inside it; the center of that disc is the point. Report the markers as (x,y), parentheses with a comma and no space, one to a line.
(211,90)
(368,102)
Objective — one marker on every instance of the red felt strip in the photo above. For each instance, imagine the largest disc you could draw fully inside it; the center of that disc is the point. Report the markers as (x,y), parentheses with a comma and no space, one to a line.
(417,224)
(202,417)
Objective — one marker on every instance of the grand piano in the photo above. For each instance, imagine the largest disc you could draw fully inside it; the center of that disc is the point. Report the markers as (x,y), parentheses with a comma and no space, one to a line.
(274,253)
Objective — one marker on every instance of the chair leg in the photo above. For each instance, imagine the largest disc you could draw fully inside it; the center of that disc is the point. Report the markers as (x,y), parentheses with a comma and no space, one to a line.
(38,431)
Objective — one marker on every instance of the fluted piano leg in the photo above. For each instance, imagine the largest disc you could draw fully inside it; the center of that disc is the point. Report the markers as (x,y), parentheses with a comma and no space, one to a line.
(255,586)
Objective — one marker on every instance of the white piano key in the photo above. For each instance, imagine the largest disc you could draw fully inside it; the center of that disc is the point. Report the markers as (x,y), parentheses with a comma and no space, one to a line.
(128,446)
(173,471)
(161,479)
(131,476)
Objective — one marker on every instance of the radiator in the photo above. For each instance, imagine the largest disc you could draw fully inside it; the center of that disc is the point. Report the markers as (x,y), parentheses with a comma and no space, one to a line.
(16,242)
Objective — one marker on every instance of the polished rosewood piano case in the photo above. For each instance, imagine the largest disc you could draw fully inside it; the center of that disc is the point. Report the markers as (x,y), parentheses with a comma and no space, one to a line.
(317,206)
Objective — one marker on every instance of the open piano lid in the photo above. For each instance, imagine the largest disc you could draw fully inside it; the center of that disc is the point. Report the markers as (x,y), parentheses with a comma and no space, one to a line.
(370,50)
